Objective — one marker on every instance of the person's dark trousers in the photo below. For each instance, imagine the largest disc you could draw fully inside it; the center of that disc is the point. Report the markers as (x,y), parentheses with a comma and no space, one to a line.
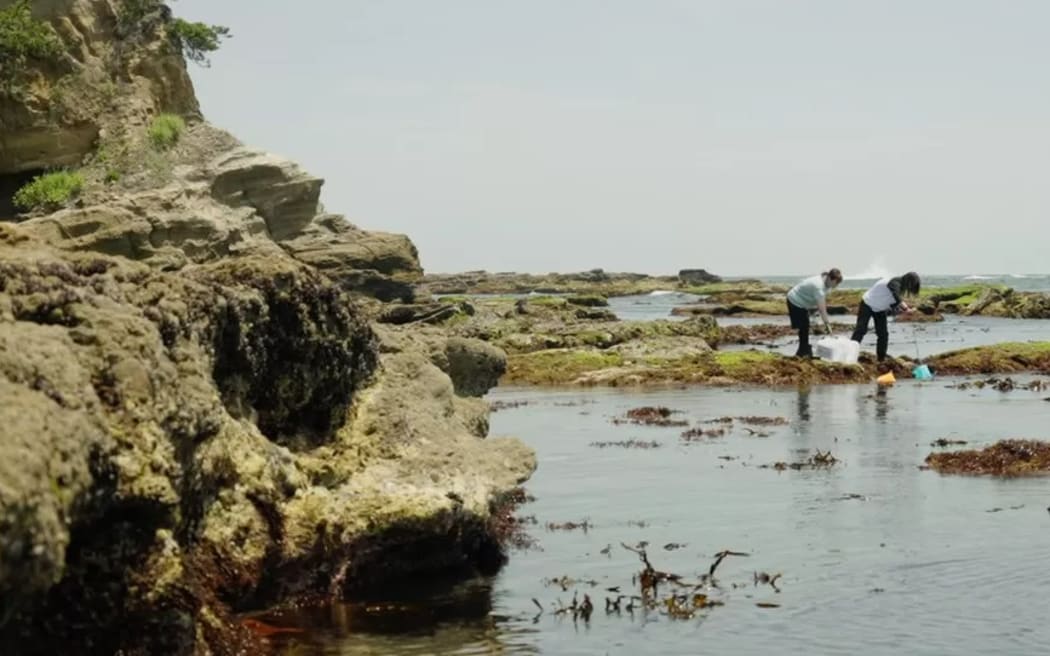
(800,322)
(882,333)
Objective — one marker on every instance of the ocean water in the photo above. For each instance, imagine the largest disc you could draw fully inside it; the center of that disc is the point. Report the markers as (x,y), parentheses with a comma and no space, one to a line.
(876,556)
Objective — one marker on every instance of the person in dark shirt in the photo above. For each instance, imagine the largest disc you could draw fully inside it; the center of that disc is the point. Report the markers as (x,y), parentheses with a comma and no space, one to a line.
(881,300)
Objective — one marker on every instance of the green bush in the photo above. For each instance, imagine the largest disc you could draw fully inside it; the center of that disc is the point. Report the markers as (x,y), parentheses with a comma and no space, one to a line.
(196,40)
(165,130)
(49,191)
(22,38)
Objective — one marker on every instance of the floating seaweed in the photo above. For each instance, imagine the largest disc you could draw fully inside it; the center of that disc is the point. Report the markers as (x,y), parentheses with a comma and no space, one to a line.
(569,526)
(651,416)
(496,406)
(1004,458)
(578,610)
(1007,384)
(566,582)
(764,421)
(506,526)
(696,434)
(628,444)
(719,420)
(764,578)
(666,593)
(820,460)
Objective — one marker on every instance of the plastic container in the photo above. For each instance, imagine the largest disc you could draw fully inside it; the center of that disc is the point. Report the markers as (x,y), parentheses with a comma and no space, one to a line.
(886,379)
(837,349)
(922,372)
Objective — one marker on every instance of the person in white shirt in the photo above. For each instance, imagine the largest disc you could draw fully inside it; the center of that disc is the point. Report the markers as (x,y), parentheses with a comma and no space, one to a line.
(806,296)
(881,300)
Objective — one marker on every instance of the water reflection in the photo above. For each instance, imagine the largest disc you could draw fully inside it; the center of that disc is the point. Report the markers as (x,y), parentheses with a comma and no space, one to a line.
(878,556)
(882,403)
(803,403)
(435,618)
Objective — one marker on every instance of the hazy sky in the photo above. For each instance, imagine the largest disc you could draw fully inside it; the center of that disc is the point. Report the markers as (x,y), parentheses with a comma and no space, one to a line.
(741,136)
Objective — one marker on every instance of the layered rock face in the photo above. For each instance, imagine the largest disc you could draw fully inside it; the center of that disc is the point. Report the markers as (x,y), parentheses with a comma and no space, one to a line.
(55,117)
(178,445)
(239,201)
(206,198)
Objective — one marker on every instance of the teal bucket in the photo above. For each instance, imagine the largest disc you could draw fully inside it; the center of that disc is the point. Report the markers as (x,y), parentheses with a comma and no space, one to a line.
(922,372)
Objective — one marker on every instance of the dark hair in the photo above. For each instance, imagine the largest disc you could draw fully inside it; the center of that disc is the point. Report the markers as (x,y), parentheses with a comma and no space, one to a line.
(833,274)
(910,283)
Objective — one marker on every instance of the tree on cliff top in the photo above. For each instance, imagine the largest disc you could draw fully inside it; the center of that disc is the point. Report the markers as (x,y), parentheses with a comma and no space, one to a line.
(193,39)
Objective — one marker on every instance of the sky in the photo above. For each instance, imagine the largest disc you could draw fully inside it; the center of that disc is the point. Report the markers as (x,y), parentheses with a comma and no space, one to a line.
(746,137)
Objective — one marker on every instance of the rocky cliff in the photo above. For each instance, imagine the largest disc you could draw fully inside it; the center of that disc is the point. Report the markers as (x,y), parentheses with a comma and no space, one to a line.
(203,198)
(198,417)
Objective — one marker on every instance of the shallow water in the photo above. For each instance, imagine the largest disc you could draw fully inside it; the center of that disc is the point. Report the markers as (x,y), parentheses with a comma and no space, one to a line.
(877,556)
(909,339)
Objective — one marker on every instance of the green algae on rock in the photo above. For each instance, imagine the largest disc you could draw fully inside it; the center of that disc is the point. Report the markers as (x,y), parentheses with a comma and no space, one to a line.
(223,438)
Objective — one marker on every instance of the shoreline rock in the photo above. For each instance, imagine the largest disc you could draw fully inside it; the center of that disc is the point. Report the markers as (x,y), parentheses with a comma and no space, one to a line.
(229,436)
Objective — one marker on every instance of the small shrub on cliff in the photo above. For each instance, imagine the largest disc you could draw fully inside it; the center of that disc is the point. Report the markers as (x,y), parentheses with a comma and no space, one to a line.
(165,130)
(196,40)
(49,191)
(23,38)
(138,19)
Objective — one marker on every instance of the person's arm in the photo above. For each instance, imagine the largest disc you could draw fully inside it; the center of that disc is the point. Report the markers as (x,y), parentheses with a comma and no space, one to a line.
(822,307)
(894,285)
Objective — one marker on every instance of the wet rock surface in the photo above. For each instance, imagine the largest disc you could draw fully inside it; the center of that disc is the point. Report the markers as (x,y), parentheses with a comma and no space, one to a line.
(182,445)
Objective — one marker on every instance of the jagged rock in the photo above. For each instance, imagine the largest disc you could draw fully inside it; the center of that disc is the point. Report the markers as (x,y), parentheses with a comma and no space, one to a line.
(592,300)
(430,313)
(166,228)
(384,264)
(697,277)
(277,189)
(182,443)
(591,282)
(595,314)
(474,366)
(243,201)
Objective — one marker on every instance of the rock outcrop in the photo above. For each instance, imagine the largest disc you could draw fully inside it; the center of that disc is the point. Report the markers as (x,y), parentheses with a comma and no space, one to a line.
(584,282)
(239,201)
(205,198)
(199,417)
(179,445)
(697,277)
(62,104)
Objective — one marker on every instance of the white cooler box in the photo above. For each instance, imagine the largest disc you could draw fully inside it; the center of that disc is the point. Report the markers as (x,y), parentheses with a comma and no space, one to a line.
(837,349)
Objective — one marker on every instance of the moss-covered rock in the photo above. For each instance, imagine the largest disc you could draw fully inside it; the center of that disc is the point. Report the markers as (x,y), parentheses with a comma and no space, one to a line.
(657,366)
(181,445)
(998,358)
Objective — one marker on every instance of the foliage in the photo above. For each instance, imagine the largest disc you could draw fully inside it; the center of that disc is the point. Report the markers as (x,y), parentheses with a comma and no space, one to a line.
(49,191)
(22,38)
(165,130)
(196,40)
